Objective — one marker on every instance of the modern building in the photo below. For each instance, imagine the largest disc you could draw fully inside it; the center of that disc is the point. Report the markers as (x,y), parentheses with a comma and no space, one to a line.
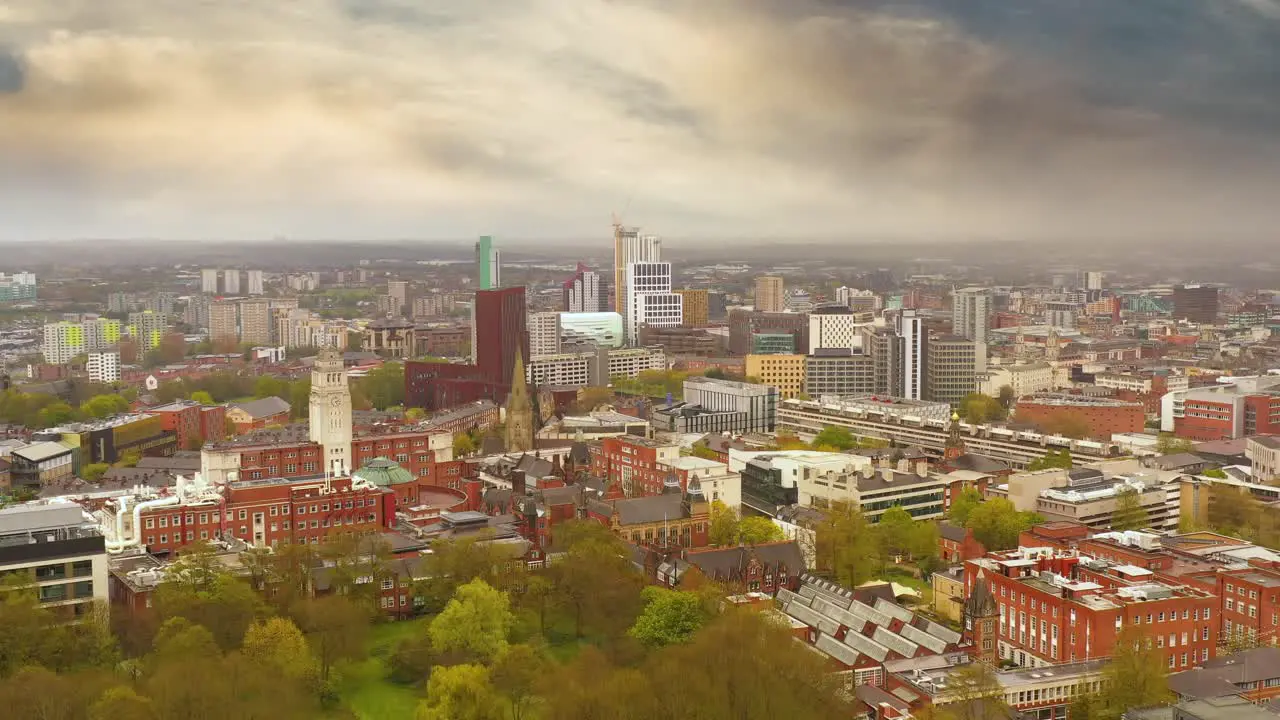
(306,329)
(42,463)
(329,421)
(196,313)
(773,344)
(743,324)
(838,372)
(754,405)
(58,549)
(684,341)
(488,264)
(593,368)
(103,366)
(837,327)
(432,305)
(498,331)
(209,281)
(63,341)
(398,291)
(954,364)
(146,328)
(784,372)
(1090,498)
(648,299)
(1100,417)
(231,282)
(913,355)
(859,300)
(1061,314)
(1241,408)
(18,287)
(224,319)
(629,247)
(1196,303)
(1263,453)
(769,294)
(544,334)
(254,278)
(1093,279)
(586,292)
(255,321)
(971,312)
(601,328)
(694,306)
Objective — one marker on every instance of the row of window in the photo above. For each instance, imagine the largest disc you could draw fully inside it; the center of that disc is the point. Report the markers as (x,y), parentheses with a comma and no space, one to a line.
(165,521)
(244,529)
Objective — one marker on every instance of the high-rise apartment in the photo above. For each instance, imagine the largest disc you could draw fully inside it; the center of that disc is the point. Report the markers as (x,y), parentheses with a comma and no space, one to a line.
(103,366)
(836,327)
(209,281)
(255,282)
(954,364)
(231,282)
(488,264)
(63,341)
(858,300)
(146,328)
(544,334)
(970,313)
(769,295)
(913,355)
(398,291)
(649,300)
(498,330)
(19,287)
(196,314)
(694,306)
(223,321)
(255,322)
(586,292)
(629,246)
(1093,279)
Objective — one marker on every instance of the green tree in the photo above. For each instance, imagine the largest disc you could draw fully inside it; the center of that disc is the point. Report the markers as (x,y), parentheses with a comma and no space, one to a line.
(474,624)
(1052,460)
(1170,444)
(384,385)
(54,414)
(93,472)
(757,530)
(846,549)
(896,532)
(278,643)
(123,703)
(1007,398)
(202,397)
(978,408)
(460,692)
(724,524)
(104,406)
(463,445)
(516,675)
(963,505)
(594,580)
(669,617)
(1215,473)
(537,595)
(997,524)
(1129,513)
(336,628)
(1136,676)
(835,436)
(267,386)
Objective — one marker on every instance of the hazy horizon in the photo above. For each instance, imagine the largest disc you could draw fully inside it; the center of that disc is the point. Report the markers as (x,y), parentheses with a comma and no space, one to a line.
(740,120)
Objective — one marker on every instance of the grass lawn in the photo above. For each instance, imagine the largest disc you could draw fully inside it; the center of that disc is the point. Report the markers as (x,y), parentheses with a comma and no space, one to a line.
(366,691)
(904,576)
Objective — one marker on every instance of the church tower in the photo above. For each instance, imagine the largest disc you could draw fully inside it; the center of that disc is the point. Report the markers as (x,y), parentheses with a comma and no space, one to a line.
(954,446)
(980,613)
(519,411)
(330,418)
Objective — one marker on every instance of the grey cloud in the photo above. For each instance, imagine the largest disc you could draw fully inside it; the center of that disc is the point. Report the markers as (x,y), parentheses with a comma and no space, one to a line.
(11,71)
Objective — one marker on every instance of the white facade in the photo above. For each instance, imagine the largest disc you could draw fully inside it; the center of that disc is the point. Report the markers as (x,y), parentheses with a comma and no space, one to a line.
(915,344)
(231,282)
(629,246)
(255,282)
(1025,379)
(42,536)
(63,341)
(209,281)
(719,484)
(1093,279)
(585,293)
(593,368)
(648,299)
(835,331)
(970,313)
(103,367)
(571,370)
(631,362)
(859,300)
(330,418)
(544,334)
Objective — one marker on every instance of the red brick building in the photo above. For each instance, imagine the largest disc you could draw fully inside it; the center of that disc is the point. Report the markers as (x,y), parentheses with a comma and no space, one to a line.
(288,453)
(636,465)
(1101,416)
(957,544)
(1208,416)
(1251,605)
(193,423)
(1060,535)
(258,414)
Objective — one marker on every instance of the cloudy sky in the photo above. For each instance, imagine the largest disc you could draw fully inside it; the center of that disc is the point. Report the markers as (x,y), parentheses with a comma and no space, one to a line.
(440,119)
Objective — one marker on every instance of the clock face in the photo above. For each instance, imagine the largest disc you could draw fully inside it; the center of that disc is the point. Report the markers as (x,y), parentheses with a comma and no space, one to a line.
(335,401)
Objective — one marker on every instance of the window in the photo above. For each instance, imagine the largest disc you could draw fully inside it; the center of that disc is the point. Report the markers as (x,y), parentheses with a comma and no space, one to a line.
(164,521)
(164,539)
(150,524)
(1206,613)
(1231,604)
(191,518)
(243,514)
(1231,588)
(388,583)
(1161,618)
(1204,633)
(273,511)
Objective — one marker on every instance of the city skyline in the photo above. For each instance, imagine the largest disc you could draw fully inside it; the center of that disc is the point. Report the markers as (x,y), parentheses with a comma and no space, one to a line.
(379,118)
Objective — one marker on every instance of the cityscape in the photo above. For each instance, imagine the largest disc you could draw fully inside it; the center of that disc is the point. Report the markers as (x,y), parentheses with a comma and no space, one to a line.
(894,360)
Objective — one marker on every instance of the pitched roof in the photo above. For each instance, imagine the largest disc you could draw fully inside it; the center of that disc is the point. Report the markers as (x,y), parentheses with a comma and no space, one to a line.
(727,562)
(655,508)
(981,602)
(954,533)
(978,463)
(263,407)
(41,451)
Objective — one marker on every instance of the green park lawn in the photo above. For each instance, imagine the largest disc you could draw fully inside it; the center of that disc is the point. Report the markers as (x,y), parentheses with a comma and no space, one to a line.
(366,691)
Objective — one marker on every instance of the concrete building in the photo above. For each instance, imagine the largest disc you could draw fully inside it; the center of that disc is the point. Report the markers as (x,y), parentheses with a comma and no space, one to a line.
(630,247)
(209,281)
(744,324)
(586,292)
(784,372)
(913,356)
(773,344)
(224,322)
(254,278)
(694,306)
(305,329)
(1022,378)
(398,290)
(954,364)
(648,299)
(1061,314)
(103,366)
(146,328)
(1196,303)
(838,373)
(432,305)
(593,368)
(63,341)
(970,313)
(488,264)
(604,329)
(18,287)
(61,551)
(859,300)
(231,282)
(756,405)
(1240,408)
(1093,279)
(544,334)
(837,327)
(255,322)
(1264,457)
(769,294)
(1089,499)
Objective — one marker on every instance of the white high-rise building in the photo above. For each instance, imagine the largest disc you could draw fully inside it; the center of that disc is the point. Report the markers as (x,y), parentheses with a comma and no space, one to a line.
(330,418)
(103,367)
(649,300)
(915,351)
(836,328)
(255,282)
(209,281)
(231,282)
(586,293)
(859,300)
(1093,279)
(544,334)
(629,246)
(63,341)
(970,313)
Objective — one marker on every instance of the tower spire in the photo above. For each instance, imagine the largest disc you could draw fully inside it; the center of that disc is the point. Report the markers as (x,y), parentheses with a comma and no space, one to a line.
(519,436)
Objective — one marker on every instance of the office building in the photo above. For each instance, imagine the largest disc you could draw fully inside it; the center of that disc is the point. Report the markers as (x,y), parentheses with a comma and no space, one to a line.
(837,327)
(544,334)
(1093,279)
(769,295)
(629,247)
(398,290)
(953,366)
(488,264)
(744,323)
(885,348)
(914,355)
(103,366)
(18,287)
(785,372)
(63,341)
(255,322)
(593,368)
(1196,303)
(694,308)
(254,278)
(1097,417)
(209,281)
(231,282)
(1225,411)
(773,344)
(970,313)
(498,330)
(146,328)
(754,405)
(859,300)
(683,341)
(717,306)
(601,328)
(586,292)
(223,322)
(649,300)
(61,550)
(838,372)
(1061,314)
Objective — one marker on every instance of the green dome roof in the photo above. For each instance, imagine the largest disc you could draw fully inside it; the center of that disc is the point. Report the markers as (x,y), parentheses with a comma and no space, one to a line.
(384,473)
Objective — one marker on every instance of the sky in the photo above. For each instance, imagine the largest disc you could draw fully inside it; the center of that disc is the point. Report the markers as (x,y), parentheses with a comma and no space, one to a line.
(709,119)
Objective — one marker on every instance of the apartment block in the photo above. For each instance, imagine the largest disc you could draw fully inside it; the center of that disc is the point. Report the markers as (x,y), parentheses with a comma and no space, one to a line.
(785,372)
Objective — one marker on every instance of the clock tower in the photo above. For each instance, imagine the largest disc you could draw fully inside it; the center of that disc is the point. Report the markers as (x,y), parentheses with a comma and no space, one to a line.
(330,418)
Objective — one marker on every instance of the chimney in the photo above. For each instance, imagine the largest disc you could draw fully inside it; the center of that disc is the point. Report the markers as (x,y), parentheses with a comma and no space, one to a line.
(517,483)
